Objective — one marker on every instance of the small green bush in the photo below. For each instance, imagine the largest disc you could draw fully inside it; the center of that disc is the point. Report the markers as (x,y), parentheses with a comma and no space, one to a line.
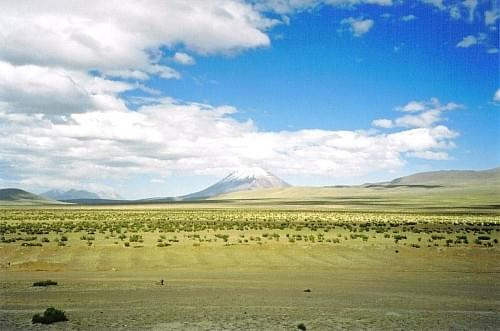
(50,315)
(45,283)
(301,326)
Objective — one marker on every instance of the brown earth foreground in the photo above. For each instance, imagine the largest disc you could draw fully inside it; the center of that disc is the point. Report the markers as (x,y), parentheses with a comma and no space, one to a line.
(253,287)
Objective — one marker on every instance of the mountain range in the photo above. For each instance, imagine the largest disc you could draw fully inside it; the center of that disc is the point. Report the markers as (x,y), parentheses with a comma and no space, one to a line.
(71,194)
(256,183)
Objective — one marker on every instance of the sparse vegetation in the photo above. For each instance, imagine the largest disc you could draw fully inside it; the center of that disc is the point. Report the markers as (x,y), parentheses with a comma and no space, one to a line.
(45,283)
(49,316)
(163,228)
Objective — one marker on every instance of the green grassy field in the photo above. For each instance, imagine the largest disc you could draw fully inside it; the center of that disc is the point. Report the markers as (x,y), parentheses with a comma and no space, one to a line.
(482,198)
(249,269)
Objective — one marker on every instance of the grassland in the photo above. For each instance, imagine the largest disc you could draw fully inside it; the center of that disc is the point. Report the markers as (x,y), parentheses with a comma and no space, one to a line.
(250,269)
(479,198)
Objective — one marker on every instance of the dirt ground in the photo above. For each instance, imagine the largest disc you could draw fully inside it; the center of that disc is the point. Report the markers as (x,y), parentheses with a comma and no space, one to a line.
(254,288)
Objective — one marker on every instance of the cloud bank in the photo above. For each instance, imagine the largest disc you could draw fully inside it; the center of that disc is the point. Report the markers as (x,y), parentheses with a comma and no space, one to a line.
(64,67)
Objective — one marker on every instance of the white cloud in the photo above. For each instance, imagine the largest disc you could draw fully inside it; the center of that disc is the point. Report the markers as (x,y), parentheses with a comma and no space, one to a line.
(291,6)
(56,91)
(413,106)
(172,136)
(430,155)
(424,119)
(383,123)
(467,42)
(358,26)
(183,58)
(422,114)
(61,125)
(408,18)
(491,16)
(470,5)
(113,35)
(436,3)
(465,9)
(480,39)
(496,96)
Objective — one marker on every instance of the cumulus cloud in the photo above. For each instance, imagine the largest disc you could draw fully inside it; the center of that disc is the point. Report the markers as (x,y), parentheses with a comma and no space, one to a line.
(421,114)
(468,41)
(183,58)
(64,119)
(383,123)
(470,5)
(172,136)
(436,3)
(358,26)
(481,39)
(114,35)
(491,16)
(48,90)
(496,96)
(408,18)
(466,9)
(290,6)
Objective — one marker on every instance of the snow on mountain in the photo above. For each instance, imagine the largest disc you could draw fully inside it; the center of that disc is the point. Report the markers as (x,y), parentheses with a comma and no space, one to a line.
(240,180)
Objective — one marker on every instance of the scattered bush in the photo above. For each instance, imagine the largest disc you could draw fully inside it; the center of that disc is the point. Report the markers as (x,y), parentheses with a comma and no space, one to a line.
(50,315)
(45,283)
(301,326)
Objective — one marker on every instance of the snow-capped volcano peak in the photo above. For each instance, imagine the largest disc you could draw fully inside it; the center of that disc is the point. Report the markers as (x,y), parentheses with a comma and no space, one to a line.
(241,180)
(243,173)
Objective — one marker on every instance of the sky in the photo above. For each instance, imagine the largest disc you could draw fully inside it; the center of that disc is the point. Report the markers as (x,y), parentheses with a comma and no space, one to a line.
(161,98)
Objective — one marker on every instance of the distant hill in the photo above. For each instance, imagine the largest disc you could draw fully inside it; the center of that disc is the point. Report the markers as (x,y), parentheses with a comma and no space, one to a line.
(70,194)
(456,190)
(246,179)
(82,195)
(14,196)
(450,178)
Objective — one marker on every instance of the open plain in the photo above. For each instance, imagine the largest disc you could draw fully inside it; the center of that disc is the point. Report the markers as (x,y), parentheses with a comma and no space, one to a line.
(252,269)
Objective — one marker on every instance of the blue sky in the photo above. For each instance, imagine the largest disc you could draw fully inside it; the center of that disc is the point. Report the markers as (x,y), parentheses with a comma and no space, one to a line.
(144,104)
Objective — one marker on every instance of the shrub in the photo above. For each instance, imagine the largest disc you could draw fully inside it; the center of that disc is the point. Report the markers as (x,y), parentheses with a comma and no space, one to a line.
(301,326)
(50,315)
(45,283)
(135,238)
(31,244)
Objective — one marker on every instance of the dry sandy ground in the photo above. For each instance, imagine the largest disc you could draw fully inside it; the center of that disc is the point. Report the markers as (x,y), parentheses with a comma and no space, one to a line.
(256,288)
